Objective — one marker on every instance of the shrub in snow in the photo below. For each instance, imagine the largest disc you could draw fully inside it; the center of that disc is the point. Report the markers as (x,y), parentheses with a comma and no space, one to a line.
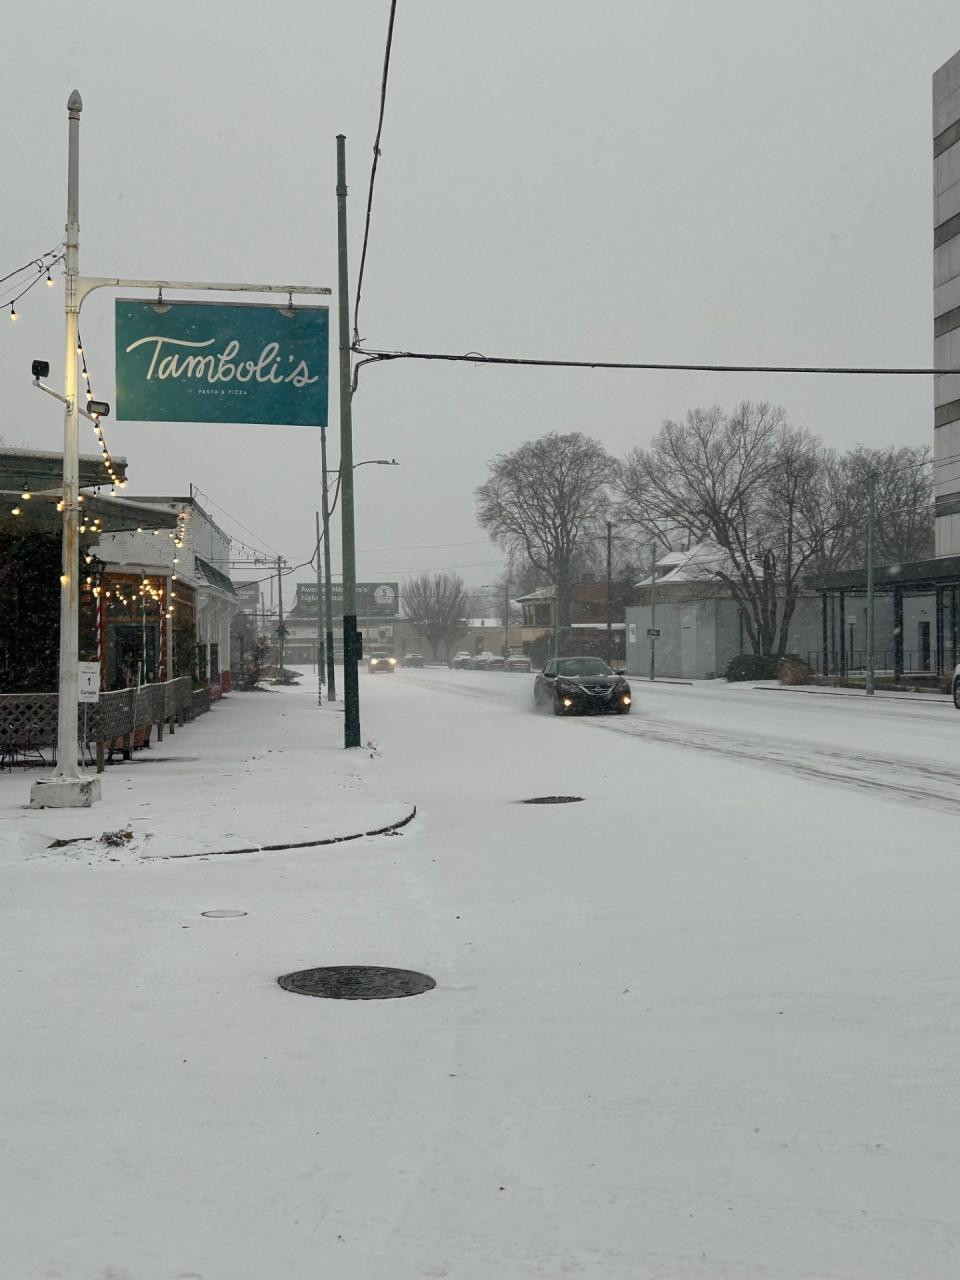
(752,666)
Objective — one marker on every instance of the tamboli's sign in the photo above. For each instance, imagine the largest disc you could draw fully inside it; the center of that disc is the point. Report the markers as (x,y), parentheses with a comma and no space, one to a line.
(221,362)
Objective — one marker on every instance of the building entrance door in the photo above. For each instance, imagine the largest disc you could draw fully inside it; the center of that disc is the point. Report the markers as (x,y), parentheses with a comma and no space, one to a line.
(924,645)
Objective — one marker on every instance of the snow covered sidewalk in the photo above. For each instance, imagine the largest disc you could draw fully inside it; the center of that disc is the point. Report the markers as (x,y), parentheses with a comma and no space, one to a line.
(259,769)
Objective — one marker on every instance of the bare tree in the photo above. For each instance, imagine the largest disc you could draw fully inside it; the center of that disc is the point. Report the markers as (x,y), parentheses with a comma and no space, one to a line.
(748,482)
(437,605)
(545,502)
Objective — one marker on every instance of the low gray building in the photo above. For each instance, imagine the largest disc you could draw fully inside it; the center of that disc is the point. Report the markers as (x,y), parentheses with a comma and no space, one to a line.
(701,627)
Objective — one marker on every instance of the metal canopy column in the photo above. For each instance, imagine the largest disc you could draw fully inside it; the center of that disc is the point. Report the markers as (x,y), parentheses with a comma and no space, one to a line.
(897,633)
(939,630)
(843,639)
(825,664)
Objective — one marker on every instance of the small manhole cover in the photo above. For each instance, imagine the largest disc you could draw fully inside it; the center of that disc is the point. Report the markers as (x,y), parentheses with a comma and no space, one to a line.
(553,800)
(222,915)
(357,982)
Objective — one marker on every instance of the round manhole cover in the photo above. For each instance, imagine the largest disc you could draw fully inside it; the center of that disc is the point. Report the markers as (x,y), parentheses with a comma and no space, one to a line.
(553,800)
(224,914)
(357,982)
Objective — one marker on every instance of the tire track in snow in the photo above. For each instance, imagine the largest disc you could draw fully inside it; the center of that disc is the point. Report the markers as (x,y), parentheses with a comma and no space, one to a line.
(894,779)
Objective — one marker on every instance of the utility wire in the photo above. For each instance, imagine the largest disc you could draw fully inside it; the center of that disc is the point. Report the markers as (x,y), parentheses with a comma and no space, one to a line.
(264,545)
(475,357)
(42,273)
(40,263)
(373,169)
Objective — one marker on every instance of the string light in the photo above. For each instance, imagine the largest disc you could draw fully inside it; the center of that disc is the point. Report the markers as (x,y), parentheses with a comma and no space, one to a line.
(41,268)
(116,480)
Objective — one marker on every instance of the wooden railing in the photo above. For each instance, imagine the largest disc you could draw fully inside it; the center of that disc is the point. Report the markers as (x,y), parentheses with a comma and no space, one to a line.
(28,721)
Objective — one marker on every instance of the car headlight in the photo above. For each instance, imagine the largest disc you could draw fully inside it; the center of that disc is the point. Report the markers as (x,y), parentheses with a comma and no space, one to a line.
(392,661)
(625,699)
(567,702)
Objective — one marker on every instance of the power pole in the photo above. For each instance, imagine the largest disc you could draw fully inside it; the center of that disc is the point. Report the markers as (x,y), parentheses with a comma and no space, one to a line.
(653,614)
(328,585)
(351,638)
(280,614)
(506,617)
(609,593)
(871,598)
(67,788)
(319,617)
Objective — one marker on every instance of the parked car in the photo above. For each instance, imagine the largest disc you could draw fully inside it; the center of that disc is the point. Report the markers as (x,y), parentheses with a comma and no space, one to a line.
(381,662)
(412,660)
(581,686)
(487,661)
(462,661)
(517,662)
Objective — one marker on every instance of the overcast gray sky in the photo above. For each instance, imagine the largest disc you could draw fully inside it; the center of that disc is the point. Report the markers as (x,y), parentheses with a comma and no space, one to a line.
(739,181)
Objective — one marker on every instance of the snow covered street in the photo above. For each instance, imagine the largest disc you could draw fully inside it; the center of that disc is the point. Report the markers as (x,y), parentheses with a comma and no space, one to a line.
(703,1024)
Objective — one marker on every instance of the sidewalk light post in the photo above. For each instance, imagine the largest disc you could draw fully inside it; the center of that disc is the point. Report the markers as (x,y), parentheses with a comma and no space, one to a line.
(328,586)
(67,788)
(653,614)
(871,597)
(351,644)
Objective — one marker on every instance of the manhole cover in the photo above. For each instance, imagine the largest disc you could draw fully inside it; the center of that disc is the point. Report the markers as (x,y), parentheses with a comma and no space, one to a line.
(222,915)
(357,982)
(553,800)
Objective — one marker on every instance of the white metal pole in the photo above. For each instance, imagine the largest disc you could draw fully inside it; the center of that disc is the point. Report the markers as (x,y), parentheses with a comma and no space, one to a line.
(66,788)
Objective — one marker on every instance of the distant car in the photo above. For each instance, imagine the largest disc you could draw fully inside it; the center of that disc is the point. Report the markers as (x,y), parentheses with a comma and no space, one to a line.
(581,686)
(462,660)
(381,662)
(517,662)
(487,661)
(412,660)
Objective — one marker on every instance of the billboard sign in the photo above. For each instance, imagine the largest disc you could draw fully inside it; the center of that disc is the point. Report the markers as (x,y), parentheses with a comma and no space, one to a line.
(374,599)
(248,593)
(221,362)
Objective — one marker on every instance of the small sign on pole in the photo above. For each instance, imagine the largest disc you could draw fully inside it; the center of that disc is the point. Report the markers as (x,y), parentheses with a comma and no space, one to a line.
(653,633)
(89,687)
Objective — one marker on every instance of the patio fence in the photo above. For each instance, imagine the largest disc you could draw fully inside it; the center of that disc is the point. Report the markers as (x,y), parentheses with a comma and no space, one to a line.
(28,721)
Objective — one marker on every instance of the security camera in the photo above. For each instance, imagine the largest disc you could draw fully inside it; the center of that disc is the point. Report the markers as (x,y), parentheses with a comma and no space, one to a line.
(99,408)
(40,369)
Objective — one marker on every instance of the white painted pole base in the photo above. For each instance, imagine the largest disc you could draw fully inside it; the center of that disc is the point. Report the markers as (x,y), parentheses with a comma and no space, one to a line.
(64,793)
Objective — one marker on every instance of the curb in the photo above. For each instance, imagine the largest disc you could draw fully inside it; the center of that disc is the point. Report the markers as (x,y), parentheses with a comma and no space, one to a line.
(942,701)
(265,848)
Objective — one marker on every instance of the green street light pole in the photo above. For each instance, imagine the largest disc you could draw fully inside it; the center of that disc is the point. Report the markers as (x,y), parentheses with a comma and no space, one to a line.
(328,586)
(869,682)
(351,638)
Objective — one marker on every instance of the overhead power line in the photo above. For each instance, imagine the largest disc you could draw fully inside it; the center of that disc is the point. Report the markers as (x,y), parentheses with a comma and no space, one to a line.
(373,168)
(475,357)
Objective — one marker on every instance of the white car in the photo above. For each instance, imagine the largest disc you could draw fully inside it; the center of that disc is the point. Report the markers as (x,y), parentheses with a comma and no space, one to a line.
(517,662)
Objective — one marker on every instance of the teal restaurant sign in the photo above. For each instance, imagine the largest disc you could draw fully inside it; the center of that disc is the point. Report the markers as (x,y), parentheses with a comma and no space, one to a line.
(221,362)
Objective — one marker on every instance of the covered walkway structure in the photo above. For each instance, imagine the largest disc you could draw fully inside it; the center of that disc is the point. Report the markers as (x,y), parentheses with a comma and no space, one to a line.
(917,618)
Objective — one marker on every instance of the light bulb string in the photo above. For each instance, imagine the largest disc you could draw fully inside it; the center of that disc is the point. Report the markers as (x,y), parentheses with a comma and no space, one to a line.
(42,272)
(116,480)
(41,264)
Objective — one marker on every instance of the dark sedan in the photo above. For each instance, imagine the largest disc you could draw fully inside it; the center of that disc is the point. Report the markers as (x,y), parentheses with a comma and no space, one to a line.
(581,686)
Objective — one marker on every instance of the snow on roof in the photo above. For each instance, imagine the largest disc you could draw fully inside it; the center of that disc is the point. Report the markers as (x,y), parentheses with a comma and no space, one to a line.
(696,564)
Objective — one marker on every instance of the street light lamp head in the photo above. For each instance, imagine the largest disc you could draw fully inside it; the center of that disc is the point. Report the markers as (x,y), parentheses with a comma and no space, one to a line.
(40,369)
